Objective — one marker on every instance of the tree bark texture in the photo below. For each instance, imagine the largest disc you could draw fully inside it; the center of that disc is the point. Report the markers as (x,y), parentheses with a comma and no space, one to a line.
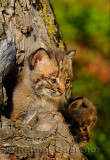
(22,24)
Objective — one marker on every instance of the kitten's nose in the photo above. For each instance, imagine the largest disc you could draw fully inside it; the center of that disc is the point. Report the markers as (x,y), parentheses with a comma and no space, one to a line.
(62,91)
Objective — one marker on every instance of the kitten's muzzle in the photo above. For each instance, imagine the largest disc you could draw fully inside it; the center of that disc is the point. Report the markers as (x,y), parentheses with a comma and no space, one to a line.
(61,92)
(87,138)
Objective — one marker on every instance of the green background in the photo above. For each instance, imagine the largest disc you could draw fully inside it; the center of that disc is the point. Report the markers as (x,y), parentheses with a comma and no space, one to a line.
(84,25)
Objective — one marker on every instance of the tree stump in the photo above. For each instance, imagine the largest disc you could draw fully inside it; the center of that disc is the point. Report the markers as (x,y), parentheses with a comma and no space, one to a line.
(22,24)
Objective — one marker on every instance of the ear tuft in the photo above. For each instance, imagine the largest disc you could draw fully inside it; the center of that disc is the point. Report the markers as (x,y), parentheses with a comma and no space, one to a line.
(71,53)
(75,104)
(38,55)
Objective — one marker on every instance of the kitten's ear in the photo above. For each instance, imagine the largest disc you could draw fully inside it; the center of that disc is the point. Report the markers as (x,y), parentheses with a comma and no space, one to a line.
(71,53)
(75,104)
(39,55)
(87,103)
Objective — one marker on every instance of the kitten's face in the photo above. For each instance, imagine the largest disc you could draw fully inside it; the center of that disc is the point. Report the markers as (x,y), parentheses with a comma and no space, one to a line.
(83,131)
(51,73)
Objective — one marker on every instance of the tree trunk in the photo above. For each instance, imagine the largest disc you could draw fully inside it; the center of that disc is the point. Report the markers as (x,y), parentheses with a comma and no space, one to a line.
(22,24)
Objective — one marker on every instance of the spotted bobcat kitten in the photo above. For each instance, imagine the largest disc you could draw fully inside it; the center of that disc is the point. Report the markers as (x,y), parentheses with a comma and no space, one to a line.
(45,83)
(81,116)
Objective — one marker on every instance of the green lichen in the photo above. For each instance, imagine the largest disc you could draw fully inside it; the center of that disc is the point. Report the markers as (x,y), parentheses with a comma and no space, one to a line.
(31,139)
(21,24)
(36,138)
(61,45)
(3,4)
(16,13)
(44,10)
(21,2)
(23,137)
(49,21)
(50,25)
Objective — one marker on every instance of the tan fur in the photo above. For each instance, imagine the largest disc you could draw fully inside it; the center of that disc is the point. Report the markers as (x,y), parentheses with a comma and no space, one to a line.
(36,93)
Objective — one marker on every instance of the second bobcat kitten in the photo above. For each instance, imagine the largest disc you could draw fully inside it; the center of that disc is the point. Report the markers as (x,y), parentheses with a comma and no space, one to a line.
(45,83)
(81,116)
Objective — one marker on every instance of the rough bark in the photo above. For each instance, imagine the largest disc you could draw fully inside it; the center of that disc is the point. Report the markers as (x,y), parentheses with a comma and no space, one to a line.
(45,137)
(22,23)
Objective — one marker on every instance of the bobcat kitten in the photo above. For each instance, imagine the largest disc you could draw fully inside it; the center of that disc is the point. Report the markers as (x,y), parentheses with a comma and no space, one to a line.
(81,116)
(45,83)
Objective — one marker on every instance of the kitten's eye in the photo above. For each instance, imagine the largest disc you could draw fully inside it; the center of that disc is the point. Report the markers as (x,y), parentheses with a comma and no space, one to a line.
(53,80)
(67,81)
(84,129)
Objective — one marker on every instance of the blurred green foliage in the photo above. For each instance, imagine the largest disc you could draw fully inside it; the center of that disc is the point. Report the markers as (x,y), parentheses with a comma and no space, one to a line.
(84,21)
(99,93)
(87,22)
